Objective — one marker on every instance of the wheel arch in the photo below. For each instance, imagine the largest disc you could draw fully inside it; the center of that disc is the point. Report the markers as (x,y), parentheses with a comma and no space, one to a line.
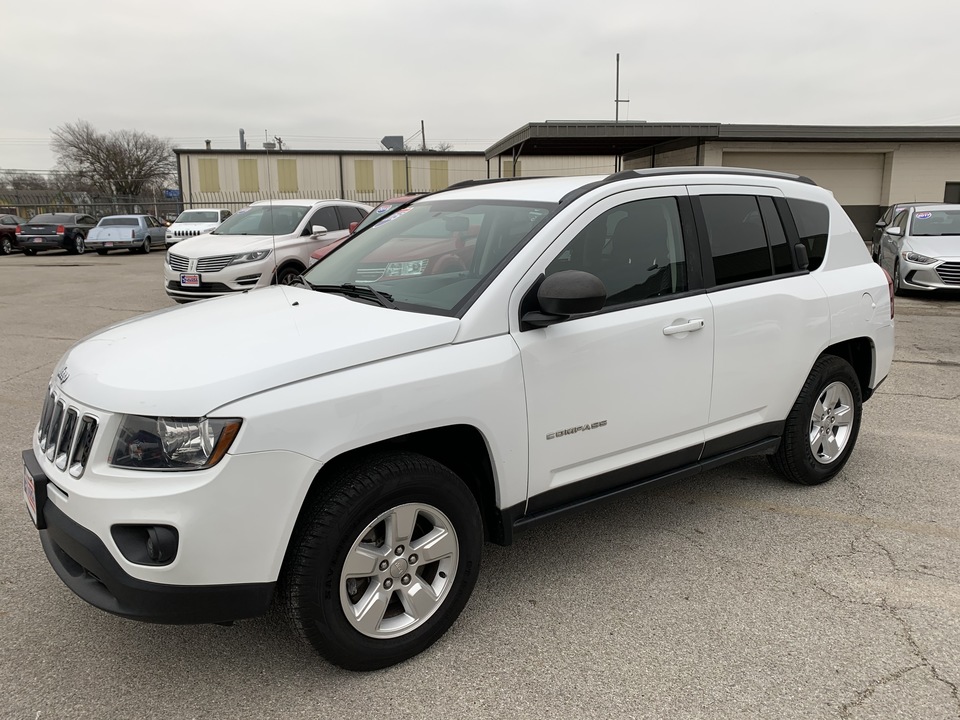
(461,448)
(291,263)
(861,354)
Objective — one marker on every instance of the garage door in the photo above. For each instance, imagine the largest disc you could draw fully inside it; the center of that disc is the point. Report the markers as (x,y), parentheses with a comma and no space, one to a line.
(854,178)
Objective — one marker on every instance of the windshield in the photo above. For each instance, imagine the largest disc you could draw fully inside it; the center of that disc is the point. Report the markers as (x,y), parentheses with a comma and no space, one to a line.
(431,255)
(380,210)
(122,221)
(936,222)
(199,216)
(263,220)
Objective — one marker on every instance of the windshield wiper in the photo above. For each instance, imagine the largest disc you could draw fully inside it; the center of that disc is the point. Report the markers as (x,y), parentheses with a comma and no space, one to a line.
(357,291)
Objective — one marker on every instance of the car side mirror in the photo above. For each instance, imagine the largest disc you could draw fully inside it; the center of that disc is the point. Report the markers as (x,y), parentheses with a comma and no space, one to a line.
(564,295)
(894,231)
(318,230)
(800,252)
(880,224)
(352,227)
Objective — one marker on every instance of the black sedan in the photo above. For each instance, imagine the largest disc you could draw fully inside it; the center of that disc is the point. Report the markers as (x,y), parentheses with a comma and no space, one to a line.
(8,232)
(55,231)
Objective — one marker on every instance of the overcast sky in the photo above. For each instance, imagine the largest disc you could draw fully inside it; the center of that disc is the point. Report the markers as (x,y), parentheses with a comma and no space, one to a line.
(327,74)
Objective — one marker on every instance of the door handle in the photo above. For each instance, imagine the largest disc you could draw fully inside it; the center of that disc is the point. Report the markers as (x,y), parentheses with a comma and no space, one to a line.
(683,327)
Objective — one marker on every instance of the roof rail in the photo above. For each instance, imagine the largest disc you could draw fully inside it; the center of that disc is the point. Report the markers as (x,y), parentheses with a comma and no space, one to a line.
(488,181)
(687,170)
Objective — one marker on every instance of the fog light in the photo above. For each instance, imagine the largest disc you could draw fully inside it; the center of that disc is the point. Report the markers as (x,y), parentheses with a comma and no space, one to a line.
(147,544)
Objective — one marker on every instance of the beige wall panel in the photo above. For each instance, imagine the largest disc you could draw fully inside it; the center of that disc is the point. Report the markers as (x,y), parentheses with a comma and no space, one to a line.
(676,158)
(854,178)
(919,171)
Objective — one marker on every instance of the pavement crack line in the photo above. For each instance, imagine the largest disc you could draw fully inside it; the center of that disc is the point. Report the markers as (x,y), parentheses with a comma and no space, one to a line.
(25,372)
(867,692)
(941,363)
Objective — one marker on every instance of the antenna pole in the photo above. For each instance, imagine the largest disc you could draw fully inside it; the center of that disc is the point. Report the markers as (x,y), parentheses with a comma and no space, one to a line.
(423,137)
(617,100)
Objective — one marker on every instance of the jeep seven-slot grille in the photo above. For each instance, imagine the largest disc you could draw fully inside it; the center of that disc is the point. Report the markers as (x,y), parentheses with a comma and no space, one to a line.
(187,233)
(178,263)
(66,436)
(949,272)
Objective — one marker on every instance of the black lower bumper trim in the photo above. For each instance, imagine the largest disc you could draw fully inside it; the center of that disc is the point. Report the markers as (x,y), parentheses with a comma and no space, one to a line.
(85,565)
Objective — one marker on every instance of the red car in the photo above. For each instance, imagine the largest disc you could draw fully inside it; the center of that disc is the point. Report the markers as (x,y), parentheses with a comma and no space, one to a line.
(378,212)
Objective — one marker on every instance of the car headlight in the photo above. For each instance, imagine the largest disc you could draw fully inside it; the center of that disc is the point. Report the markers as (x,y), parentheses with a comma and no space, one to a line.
(158,443)
(917,258)
(250,257)
(406,269)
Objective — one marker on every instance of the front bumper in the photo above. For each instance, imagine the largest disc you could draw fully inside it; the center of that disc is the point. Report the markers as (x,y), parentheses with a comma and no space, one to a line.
(233,522)
(941,275)
(231,279)
(86,566)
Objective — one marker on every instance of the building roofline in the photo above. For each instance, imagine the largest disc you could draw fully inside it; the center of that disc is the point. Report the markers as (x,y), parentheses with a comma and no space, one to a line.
(259,152)
(622,137)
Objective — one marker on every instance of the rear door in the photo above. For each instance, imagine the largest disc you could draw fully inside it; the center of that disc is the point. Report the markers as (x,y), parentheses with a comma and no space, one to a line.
(771,317)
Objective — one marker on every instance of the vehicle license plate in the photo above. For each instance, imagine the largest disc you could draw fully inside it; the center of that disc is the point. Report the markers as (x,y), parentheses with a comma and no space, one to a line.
(37,240)
(189,280)
(30,494)
(108,244)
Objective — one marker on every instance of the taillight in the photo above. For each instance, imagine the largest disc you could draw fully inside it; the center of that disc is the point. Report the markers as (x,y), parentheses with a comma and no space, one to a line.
(18,231)
(890,289)
(60,229)
(133,234)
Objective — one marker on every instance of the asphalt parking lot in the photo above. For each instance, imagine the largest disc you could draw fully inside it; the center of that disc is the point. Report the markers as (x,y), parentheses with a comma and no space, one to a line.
(730,595)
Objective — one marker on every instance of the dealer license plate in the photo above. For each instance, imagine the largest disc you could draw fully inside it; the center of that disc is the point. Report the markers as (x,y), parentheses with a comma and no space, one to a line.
(189,280)
(37,240)
(108,244)
(30,494)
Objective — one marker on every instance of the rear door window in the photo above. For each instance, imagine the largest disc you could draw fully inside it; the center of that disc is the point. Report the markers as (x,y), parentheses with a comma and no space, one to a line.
(813,226)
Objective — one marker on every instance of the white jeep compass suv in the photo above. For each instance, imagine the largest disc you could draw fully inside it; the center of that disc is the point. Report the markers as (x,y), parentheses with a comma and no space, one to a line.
(344,446)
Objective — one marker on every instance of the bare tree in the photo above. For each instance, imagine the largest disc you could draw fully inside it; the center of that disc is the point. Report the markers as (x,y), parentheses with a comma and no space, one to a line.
(442,146)
(119,163)
(10,180)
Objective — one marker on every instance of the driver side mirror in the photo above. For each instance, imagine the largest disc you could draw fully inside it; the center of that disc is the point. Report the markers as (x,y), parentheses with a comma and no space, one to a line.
(352,227)
(880,224)
(565,294)
(318,230)
(894,231)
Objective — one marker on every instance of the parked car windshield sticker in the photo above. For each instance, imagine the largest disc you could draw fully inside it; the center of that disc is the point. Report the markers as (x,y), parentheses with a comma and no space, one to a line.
(924,215)
(383,208)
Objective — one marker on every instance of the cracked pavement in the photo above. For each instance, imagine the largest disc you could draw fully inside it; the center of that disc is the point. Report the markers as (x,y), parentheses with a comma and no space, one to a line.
(729,595)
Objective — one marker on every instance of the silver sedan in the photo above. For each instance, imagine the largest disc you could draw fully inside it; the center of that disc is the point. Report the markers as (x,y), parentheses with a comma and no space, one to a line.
(921,248)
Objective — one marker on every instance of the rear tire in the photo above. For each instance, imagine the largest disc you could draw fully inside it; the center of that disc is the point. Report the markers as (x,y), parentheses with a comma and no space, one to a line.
(77,247)
(6,245)
(383,561)
(821,429)
(146,247)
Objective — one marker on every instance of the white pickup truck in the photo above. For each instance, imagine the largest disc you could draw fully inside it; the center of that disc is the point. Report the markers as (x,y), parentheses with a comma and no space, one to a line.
(136,233)
(344,445)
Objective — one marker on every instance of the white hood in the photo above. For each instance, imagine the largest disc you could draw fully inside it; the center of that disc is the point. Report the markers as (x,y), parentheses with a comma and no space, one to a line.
(190,360)
(213,245)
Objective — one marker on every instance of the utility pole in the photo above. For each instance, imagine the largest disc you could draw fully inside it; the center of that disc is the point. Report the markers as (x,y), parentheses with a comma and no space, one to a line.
(423,137)
(617,100)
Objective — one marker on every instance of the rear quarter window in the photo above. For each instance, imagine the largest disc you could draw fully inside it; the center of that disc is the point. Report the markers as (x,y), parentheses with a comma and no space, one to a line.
(813,226)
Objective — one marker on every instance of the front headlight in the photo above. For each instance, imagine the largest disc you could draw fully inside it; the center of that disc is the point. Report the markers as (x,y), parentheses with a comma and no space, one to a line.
(917,258)
(250,257)
(151,443)
(406,269)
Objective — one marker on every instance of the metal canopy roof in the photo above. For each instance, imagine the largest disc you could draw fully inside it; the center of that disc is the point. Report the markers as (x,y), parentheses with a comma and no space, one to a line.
(610,138)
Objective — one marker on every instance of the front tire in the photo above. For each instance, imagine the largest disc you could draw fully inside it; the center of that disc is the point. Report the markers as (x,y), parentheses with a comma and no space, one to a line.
(383,561)
(897,289)
(821,429)
(146,246)
(287,275)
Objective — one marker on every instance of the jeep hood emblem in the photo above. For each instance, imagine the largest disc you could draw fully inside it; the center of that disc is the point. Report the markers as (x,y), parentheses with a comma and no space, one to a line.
(63,375)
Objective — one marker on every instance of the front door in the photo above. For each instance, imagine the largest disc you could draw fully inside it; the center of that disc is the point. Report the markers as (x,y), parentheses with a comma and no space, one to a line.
(625,393)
